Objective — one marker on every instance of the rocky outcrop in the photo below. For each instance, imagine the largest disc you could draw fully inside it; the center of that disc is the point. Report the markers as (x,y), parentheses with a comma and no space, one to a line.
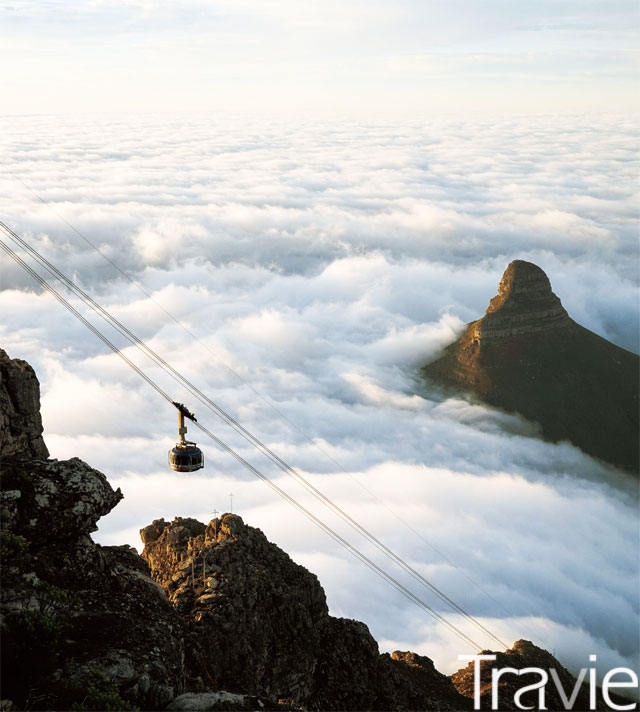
(75,613)
(524,305)
(253,610)
(258,623)
(526,355)
(49,500)
(229,620)
(78,621)
(20,421)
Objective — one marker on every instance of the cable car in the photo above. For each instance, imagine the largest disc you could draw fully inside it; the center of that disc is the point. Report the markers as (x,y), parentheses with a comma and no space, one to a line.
(185,456)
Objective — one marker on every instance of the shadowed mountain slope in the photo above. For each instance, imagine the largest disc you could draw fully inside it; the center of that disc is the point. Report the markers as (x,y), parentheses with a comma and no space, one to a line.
(526,355)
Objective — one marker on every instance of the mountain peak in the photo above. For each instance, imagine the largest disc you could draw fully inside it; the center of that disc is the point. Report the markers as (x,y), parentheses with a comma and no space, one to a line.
(525,304)
(526,355)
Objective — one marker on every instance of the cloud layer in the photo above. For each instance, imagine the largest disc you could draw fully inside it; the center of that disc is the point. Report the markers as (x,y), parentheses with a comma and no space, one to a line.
(316,266)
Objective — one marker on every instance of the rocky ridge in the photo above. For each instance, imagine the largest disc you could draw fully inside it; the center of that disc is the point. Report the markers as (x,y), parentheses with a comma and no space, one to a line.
(263,627)
(526,355)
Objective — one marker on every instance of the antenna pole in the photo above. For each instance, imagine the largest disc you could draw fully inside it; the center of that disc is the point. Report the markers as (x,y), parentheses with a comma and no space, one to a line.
(182,430)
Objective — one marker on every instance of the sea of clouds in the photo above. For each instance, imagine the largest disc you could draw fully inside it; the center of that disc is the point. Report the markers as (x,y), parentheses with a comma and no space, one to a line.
(313,267)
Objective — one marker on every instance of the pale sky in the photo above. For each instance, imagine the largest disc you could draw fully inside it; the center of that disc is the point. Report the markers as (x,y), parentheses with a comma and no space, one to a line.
(336,56)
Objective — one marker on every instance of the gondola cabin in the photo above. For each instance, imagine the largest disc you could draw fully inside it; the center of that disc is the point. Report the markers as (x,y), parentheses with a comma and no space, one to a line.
(185,456)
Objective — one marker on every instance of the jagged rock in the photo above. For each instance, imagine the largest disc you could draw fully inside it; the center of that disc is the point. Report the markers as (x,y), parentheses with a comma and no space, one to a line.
(127,630)
(72,610)
(353,675)
(92,609)
(252,609)
(20,421)
(526,355)
(524,304)
(46,501)
(259,624)
(422,685)
(349,667)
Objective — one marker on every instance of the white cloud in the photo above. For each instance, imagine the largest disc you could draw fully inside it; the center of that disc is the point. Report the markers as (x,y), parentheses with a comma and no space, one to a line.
(324,263)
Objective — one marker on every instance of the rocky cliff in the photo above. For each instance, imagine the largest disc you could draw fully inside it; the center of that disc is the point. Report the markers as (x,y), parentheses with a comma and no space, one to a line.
(20,421)
(526,355)
(524,305)
(81,624)
(259,623)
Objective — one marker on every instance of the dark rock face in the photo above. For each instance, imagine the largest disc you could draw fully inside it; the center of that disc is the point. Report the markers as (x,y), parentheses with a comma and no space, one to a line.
(20,421)
(73,614)
(252,609)
(108,615)
(55,500)
(258,623)
(527,355)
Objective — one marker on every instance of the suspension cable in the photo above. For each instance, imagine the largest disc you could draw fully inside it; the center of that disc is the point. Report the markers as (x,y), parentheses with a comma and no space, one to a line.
(268,402)
(262,447)
(316,520)
(85,321)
